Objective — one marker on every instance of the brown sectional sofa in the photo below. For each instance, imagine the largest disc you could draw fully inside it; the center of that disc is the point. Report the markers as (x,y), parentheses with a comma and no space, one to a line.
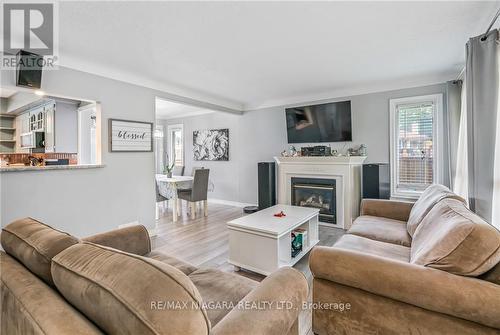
(426,268)
(54,283)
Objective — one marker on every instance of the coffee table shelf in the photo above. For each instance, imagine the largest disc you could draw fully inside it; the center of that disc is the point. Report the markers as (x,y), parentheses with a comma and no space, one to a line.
(261,242)
(299,255)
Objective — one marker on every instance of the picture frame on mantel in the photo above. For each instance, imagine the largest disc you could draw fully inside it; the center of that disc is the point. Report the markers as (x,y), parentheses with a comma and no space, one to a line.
(130,136)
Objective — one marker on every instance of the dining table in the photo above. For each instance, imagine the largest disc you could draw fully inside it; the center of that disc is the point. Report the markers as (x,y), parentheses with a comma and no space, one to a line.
(168,187)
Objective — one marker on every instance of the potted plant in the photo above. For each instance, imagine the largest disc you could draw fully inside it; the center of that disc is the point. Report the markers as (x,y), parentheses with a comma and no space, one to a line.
(168,169)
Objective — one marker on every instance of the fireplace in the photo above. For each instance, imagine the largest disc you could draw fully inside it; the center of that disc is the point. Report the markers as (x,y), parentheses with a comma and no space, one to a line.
(316,193)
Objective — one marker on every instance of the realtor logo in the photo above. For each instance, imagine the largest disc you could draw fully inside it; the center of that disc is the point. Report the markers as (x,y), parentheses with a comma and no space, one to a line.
(30,27)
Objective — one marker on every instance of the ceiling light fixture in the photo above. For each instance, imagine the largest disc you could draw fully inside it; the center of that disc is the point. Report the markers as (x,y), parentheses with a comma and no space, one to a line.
(40,93)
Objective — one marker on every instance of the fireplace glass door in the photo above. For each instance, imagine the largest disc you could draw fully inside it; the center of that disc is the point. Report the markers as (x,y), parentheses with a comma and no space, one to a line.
(316,193)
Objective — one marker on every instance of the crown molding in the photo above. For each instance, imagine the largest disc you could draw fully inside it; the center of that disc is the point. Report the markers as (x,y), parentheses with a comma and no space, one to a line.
(169,91)
(207,101)
(377,87)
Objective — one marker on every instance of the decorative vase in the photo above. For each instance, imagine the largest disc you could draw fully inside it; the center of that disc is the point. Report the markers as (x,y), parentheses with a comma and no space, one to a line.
(169,174)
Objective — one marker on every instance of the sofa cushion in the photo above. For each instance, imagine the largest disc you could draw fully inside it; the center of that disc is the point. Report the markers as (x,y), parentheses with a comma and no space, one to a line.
(454,239)
(120,291)
(220,291)
(430,197)
(184,267)
(381,229)
(34,244)
(372,247)
(30,306)
(492,275)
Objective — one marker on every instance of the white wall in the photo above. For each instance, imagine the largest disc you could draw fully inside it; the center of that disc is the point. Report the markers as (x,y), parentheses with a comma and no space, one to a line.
(84,202)
(3,105)
(260,135)
(21,99)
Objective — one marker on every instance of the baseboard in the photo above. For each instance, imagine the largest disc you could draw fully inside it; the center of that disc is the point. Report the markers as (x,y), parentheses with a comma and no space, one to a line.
(151,231)
(229,203)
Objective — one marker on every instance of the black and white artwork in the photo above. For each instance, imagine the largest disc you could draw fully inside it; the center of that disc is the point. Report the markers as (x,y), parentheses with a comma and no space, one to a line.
(211,145)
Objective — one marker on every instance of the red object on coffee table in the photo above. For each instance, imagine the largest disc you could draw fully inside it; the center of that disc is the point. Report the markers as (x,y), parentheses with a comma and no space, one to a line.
(280,214)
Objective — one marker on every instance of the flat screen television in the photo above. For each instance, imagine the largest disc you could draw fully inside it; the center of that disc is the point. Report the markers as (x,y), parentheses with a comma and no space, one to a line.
(329,122)
(29,69)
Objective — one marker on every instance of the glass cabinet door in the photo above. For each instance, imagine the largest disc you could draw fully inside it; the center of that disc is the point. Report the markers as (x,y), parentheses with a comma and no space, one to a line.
(32,122)
(39,121)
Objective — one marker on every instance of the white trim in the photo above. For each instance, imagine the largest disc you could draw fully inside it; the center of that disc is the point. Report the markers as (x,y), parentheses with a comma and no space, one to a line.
(185,115)
(96,106)
(229,203)
(437,101)
(159,149)
(170,129)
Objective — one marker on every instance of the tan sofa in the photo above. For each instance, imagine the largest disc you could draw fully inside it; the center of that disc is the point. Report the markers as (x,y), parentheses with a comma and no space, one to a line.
(426,268)
(54,283)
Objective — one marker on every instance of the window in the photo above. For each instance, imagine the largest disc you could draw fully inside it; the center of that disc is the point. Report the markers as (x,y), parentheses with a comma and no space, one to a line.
(414,144)
(175,142)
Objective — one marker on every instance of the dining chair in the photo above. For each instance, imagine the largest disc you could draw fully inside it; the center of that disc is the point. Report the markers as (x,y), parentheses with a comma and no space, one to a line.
(196,168)
(178,170)
(159,198)
(198,192)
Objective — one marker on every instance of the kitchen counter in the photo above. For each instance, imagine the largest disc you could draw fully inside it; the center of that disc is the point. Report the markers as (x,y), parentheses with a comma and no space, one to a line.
(49,167)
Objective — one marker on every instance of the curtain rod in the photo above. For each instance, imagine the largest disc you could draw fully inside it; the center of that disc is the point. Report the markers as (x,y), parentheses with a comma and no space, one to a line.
(491,24)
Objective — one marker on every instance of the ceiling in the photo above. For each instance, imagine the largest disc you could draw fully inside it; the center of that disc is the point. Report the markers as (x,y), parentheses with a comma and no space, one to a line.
(246,55)
(171,110)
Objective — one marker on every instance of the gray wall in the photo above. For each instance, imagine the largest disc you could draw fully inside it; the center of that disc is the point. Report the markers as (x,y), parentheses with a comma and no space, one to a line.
(225,188)
(84,202)
(66,127)
(260,135)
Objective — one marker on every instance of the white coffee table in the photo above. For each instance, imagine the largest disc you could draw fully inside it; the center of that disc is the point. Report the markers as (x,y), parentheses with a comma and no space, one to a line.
(261,242)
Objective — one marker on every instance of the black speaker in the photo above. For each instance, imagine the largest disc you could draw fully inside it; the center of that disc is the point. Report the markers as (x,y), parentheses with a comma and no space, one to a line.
(267,184)
(376,181)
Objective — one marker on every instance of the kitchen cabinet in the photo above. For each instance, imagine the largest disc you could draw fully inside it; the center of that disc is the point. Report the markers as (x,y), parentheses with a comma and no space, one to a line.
(37,119)
(22,126)
(40,118)
(24,123)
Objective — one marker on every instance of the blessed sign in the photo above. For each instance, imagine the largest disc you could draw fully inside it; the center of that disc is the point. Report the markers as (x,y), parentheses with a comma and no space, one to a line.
(129,136)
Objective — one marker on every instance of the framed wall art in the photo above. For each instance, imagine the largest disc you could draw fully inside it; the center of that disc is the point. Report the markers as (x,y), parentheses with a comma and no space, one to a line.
(130,136)
(211,145)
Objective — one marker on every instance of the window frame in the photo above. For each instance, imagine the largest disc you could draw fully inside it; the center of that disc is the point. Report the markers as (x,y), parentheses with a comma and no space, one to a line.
(170,130)
(437,139)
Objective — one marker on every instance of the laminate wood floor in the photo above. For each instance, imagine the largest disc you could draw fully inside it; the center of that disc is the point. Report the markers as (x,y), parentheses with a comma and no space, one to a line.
(204,242)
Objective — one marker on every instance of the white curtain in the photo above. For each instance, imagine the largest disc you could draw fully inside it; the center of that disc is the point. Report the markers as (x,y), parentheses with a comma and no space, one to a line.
(495,217)
(461,182)
(482,90)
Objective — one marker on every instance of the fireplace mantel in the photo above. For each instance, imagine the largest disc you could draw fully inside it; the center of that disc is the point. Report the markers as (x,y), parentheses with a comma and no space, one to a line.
(345,170)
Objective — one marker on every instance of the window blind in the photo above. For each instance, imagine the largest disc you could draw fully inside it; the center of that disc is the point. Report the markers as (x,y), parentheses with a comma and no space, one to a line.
(415,140)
